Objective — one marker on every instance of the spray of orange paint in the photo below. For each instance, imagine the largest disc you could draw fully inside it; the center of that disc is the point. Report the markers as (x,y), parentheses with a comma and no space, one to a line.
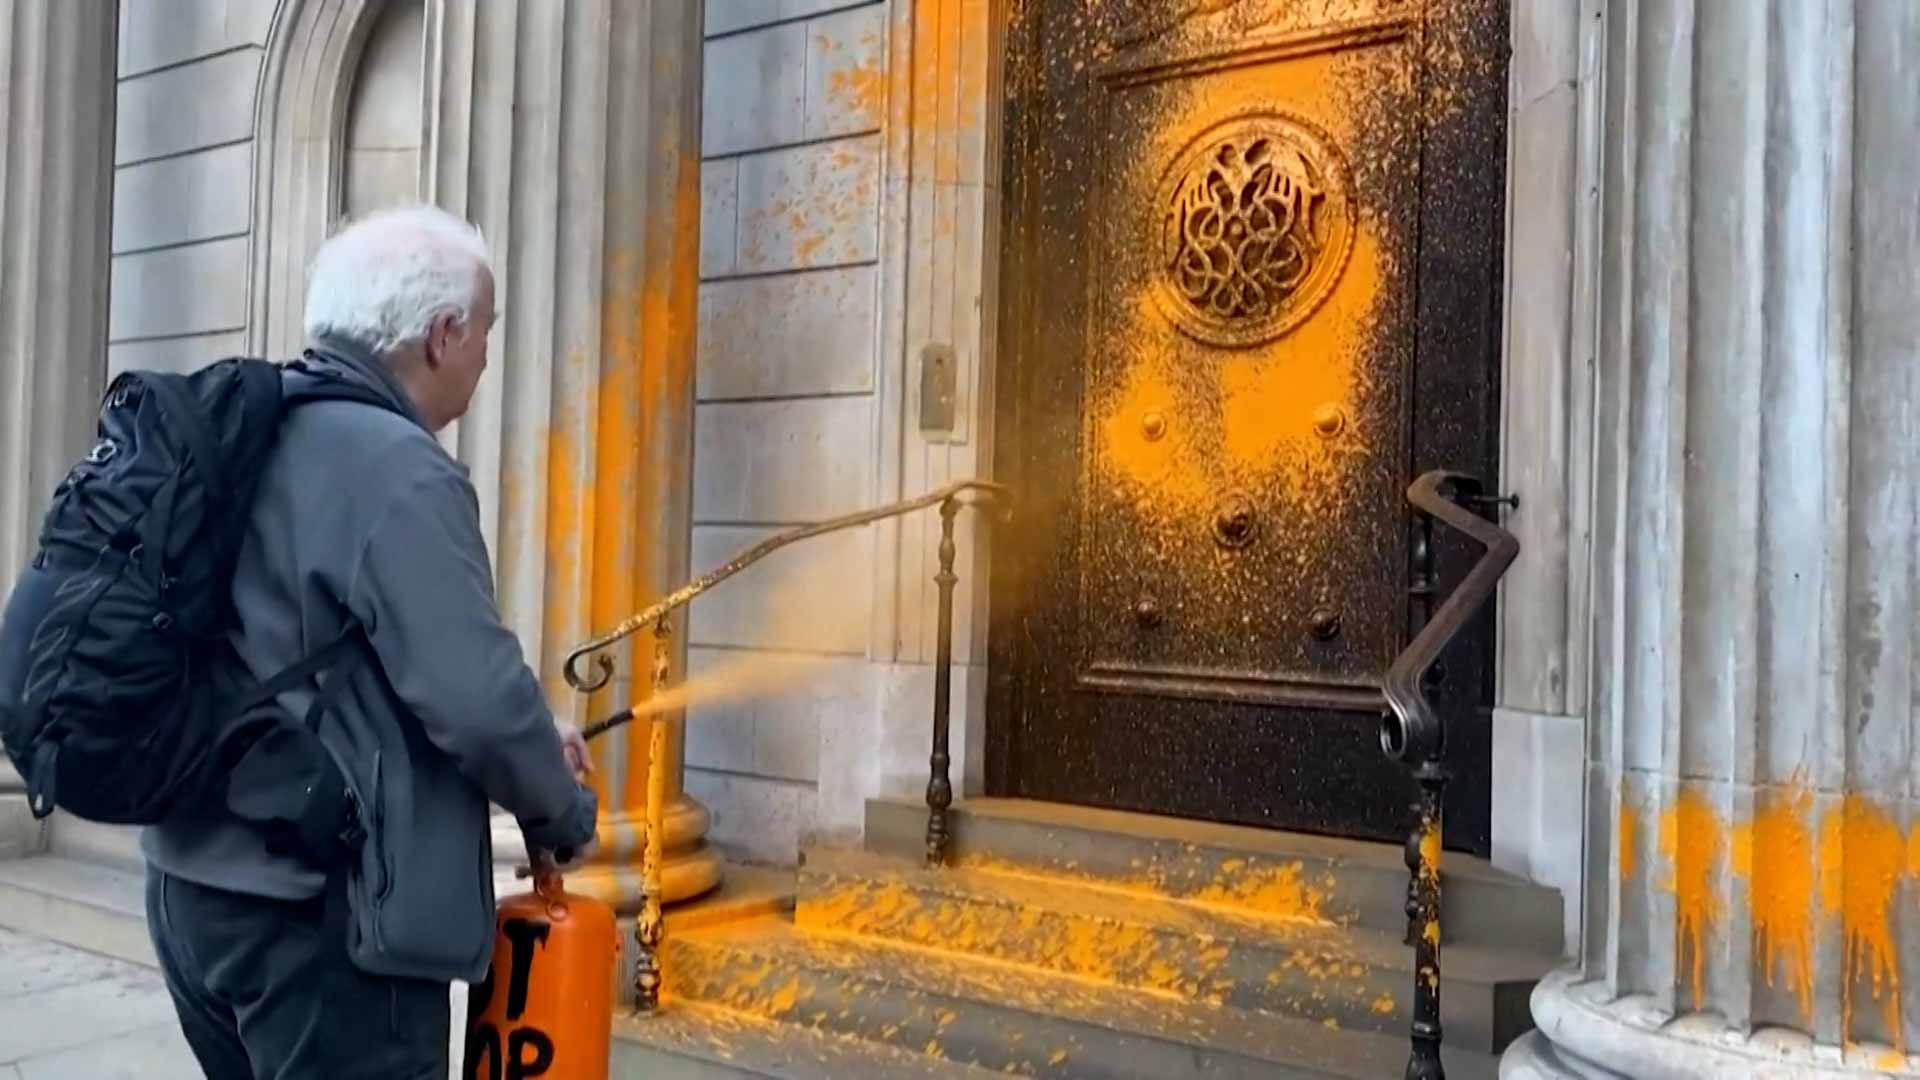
(1691,839)
(1774,853)
(1862,857)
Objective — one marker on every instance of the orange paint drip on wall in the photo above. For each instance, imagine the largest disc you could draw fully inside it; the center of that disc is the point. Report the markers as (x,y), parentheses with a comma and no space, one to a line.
(616,454)
(1775,854)
(1691,840)
(861,90)
(662,400)
(1629,839)
(1862,856)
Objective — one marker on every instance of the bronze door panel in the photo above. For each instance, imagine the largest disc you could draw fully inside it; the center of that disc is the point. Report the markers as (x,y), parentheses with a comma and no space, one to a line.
(1214,395)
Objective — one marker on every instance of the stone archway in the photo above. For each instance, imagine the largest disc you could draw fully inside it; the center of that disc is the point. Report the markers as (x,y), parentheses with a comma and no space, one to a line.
(301,111)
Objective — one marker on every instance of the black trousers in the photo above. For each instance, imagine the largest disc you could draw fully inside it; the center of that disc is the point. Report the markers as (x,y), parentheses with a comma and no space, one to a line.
(265,991)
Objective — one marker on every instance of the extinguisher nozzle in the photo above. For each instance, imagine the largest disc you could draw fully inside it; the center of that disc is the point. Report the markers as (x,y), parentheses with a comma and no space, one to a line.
(595,730)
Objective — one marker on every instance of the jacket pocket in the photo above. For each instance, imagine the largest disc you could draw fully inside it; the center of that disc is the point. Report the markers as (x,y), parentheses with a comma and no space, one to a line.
(380,863)
(371,878)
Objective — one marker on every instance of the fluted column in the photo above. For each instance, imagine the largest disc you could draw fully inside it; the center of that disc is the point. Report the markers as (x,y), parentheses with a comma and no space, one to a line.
(1753,847)
(570,134)
(56,184)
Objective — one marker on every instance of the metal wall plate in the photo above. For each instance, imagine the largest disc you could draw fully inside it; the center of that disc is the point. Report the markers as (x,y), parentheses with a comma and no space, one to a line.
(939,385)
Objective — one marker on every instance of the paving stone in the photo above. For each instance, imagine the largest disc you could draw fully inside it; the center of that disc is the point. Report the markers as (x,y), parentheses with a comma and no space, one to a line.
(157,1052)
(31,965)
(125,1000)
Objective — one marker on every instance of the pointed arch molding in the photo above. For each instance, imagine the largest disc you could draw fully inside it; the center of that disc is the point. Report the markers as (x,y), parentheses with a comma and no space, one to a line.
(300,122)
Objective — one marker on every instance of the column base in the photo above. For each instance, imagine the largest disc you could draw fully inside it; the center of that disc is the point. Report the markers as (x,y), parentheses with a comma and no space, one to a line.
(1582,1035)
(692,867)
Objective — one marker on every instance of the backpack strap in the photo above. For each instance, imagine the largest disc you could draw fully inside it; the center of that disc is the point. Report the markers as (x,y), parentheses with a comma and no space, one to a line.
(352,646)
(200,441)
(326,385)
(345,647)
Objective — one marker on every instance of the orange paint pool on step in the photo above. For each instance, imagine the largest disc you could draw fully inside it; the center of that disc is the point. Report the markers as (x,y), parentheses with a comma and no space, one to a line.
(1280,892)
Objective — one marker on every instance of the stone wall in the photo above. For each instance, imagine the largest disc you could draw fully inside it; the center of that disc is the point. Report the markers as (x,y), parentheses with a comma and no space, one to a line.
(788,361)
(183,160)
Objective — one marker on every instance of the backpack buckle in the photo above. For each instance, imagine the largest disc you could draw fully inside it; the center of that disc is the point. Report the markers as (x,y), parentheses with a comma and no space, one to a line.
(352,832)
(42,779)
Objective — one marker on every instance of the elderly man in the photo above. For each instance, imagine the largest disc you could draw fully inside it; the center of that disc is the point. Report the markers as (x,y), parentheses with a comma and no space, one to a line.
(277,968)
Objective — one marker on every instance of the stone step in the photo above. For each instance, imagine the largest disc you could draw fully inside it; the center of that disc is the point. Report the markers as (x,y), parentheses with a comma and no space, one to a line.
(91,842)
(690,1041)
(1285,874)
(1012,1018)
(1358,979)
(99,908)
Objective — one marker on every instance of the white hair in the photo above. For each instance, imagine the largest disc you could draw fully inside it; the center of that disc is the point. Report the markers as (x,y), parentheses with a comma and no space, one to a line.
(382,280)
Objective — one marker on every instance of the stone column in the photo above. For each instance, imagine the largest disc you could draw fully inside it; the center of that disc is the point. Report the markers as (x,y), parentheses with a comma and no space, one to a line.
(1752,846)
(570,133)
(56,198)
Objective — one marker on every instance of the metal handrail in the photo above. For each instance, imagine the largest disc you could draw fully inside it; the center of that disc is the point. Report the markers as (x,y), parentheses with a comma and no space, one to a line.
(685,594)
(1411,727)
(1412,732)
(650,930)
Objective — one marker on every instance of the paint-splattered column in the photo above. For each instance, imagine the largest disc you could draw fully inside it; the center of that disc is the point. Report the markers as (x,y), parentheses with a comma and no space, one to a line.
(56,182)
(570,134)
(1752,837)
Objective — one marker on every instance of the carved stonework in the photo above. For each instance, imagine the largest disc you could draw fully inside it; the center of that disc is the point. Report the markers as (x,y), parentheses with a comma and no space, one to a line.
(1256,223)
(1145,20)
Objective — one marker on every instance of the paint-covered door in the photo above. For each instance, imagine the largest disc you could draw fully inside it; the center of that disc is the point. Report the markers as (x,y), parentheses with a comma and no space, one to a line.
(1250,258)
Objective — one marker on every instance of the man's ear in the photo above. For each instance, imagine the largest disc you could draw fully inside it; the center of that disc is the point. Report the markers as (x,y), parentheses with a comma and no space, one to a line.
(439,335)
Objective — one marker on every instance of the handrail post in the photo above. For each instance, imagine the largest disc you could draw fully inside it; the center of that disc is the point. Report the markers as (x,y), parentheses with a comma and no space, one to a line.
(1414,733)
(1424,1063)
(651,928)
(1422,590)
(940,783)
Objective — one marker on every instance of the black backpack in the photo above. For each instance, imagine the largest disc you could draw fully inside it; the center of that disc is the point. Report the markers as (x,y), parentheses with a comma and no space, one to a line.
(121,700)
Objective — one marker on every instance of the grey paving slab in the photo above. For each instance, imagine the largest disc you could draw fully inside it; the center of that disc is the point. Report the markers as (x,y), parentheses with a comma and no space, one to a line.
(157,1052)
(65,1012)
(33,965)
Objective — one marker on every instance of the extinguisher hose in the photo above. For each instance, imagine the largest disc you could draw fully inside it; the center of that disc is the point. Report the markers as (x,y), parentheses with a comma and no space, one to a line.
(601,727)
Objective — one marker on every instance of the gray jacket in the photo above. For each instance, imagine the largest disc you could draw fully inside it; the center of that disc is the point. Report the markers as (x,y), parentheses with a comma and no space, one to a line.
(360,510)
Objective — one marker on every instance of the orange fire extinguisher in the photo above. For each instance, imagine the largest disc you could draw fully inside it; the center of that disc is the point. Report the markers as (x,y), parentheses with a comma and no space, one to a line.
(545,1008)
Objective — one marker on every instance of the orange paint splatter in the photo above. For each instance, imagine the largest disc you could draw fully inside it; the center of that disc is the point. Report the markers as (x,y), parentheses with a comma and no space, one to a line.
(1862,856)
(1774,853)
(785,999)
(1139,436)
(1430,850)
(1281,892)
(1691,839)
(861,90)
(1629,839)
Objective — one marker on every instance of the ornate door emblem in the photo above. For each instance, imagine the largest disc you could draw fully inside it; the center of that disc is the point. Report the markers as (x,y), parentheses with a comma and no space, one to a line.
(1257,224)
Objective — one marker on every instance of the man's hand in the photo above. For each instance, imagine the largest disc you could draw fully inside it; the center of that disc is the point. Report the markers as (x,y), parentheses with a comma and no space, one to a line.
(574,745)
(543,861)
